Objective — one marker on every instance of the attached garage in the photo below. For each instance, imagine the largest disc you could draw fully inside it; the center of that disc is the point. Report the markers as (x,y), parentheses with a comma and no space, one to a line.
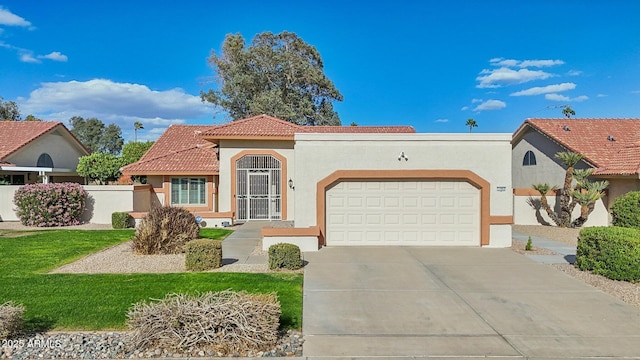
(403,212)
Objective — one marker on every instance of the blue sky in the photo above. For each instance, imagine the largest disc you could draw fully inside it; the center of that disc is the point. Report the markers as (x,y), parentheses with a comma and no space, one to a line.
(429,64)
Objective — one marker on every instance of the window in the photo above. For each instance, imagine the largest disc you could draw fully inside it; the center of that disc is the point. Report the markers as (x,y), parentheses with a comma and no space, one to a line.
(529,159)
(45,161)
(188,191)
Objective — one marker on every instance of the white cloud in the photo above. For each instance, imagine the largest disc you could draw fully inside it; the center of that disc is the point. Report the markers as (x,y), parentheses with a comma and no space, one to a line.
(539,90)
(574,72)
(10,19)
(464,108)
(491,105)
(111,102)
(524,63)
(505,76)
(55,56)
(558,97)
(27,56)
(540,63)
(442,120)
(473,101)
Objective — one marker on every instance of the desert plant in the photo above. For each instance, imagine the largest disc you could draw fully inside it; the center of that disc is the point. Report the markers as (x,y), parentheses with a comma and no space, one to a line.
(585,193)
(165,230)
(45,205)
(625,211)
(284,256)
(529,245)
(227,322)
(613,252)
(11,319)
(121,220)
(203,254)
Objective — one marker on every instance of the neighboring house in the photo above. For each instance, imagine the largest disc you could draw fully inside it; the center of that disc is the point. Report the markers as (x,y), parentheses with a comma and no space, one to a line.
(35,151)
(610,146)
(38,151)
(338,185)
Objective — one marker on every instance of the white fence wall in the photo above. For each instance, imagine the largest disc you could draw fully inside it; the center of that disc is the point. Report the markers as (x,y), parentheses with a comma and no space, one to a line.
(102,201)
(6,202)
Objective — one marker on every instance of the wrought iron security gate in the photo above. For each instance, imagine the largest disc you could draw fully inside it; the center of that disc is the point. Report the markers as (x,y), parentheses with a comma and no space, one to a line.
(258,183)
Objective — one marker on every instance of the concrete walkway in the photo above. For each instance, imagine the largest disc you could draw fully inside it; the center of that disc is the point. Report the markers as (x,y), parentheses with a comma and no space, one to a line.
(364,302)
(238,247)
(567,253)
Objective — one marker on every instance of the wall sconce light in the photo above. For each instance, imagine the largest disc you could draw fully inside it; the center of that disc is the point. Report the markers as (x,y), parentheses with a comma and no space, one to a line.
(291,184)
(403,156)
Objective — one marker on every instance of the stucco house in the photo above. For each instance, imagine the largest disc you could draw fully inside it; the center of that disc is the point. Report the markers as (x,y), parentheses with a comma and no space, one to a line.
(337,185)
(610,146)
(38,151)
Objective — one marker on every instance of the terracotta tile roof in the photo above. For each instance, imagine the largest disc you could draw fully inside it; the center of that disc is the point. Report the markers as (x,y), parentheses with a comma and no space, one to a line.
(265,126)
(14,135)
(179,150)
(257,126)
(611,145)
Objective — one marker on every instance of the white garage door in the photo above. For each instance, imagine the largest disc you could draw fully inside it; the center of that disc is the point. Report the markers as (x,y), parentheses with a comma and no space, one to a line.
(403,213)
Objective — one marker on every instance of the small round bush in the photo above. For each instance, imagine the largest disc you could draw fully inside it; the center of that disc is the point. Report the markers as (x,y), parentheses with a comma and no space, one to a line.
(121,220)
(625,211)
(165,231)
(284,256)
(47,205)
(11,319)
(203,254)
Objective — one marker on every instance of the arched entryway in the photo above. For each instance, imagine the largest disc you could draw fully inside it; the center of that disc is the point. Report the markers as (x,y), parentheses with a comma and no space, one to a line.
(258,187)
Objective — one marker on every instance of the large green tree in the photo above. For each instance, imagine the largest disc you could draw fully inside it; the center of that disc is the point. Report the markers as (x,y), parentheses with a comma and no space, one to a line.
(100,167)
(9,110)
(277,74)
(94,135)
(133,151)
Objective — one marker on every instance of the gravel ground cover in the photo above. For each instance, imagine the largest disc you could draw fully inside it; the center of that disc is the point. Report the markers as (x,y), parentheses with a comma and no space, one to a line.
(625,291)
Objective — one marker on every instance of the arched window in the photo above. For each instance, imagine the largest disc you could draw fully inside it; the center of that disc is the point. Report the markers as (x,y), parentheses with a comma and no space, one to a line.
(529,159)
(45,161)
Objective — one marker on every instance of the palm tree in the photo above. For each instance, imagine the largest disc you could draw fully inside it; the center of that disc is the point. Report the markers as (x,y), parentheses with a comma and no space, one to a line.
(543,189)
(471,124)
(568,112)
(568,159)
(136,126)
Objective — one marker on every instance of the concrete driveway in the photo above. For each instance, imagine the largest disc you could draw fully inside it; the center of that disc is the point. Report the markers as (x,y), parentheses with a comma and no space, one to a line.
(454,303)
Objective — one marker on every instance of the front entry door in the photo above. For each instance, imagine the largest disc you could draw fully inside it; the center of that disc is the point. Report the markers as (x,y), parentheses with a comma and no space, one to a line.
(258,188)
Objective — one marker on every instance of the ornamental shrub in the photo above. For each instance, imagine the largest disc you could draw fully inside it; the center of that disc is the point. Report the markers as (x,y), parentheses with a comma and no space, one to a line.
(46,205)
(284,256)
(121,220)
(11,320)
(203,254)
(613,252)
(165,230)
(625,211)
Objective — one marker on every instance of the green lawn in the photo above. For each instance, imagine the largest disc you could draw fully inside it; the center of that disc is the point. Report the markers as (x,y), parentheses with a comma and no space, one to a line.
(100,302)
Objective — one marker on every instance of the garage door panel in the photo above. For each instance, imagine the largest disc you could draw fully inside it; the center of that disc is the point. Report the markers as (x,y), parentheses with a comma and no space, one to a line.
(403,213)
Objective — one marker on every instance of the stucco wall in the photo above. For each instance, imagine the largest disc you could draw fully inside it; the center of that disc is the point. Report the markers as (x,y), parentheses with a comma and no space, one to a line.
(527,211)
(618,187)
(230,148)
(548,169)
(103,200)
(62,152)
(319,155)
(6,202)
